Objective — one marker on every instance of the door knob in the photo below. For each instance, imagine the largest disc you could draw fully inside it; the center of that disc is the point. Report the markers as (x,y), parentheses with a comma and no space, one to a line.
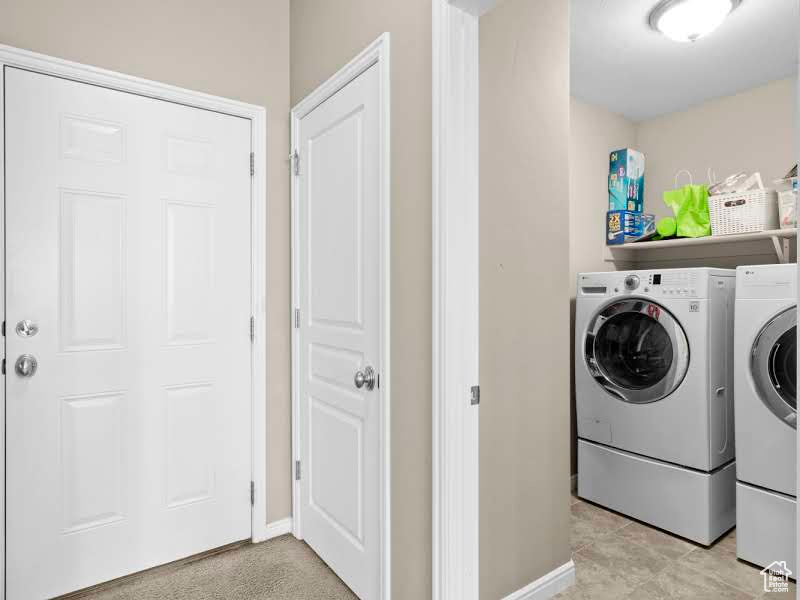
(27,328)
(26,365)
(365,378)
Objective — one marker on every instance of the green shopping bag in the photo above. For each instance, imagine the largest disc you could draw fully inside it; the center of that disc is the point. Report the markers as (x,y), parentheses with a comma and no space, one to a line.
(690,206)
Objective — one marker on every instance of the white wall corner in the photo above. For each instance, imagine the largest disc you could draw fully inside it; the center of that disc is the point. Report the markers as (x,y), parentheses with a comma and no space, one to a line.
(547,586)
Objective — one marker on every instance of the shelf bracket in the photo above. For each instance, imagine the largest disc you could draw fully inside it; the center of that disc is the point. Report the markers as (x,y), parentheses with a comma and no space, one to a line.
(782,248)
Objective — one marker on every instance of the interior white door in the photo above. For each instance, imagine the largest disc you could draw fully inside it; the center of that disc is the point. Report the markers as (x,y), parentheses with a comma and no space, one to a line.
(339,283)
(128,247)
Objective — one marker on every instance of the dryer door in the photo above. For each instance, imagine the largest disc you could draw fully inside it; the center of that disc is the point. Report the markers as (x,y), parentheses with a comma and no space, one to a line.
(636,350)
(773,364)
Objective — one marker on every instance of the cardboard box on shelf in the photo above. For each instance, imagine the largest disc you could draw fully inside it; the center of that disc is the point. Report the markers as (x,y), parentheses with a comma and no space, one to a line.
(624,226)
(626,180)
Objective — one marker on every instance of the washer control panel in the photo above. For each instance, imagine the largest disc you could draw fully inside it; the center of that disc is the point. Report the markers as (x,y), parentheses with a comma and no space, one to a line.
(675,284)
(670,283)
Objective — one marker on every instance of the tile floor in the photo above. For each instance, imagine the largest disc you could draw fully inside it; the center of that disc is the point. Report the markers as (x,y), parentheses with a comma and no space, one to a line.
(618,558)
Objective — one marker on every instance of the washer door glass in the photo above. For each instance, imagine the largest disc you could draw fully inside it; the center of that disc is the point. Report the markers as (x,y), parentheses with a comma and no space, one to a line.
(637,351)
(774,365)
(633,350)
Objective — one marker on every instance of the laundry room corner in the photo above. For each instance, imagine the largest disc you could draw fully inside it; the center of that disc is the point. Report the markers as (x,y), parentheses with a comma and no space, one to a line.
(682,214)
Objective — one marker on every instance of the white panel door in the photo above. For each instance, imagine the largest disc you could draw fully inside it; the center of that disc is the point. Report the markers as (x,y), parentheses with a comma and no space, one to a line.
(339,256)
(128,246)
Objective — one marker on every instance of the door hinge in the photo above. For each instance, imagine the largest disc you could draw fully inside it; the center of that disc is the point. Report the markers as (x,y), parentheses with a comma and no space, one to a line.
(4,329)
(294,159)
(252,493)
(297,318)
(3,368)
(252,164)
(475,395)
(252,329)
(297,470)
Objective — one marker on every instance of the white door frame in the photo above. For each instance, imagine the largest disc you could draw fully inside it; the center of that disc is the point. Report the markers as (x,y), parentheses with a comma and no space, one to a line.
(39,63)
(377,54)
(455,368)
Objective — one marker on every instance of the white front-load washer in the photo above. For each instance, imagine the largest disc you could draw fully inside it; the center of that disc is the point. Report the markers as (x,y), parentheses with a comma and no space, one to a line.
(765,385)
(653,391)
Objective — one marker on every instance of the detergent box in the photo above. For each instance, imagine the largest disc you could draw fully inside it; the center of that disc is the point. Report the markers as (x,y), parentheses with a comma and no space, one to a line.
(626,180)
(623,226)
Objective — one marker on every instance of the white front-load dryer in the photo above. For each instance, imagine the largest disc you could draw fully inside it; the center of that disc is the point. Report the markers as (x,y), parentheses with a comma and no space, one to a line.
(765,385)
(653,390)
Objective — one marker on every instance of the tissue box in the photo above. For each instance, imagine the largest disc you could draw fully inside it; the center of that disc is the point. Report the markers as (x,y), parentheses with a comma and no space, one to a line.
(787,209)
(626,180)
(787,201)
(623,226)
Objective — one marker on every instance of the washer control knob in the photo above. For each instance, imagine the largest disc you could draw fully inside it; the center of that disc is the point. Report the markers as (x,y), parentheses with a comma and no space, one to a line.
(631,282)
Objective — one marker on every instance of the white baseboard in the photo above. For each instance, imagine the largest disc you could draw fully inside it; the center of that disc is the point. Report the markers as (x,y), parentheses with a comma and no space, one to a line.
(547,586)
(277,528)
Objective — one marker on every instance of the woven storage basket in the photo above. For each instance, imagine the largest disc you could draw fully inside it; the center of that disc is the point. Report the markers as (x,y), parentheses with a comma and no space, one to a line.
(743,212)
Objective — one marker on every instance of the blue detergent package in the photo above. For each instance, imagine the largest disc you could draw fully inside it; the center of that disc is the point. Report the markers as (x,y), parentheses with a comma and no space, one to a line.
(626,180)
(624,226)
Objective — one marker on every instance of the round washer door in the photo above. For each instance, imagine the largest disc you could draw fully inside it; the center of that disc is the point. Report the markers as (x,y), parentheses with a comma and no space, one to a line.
(773,364)
(636,350)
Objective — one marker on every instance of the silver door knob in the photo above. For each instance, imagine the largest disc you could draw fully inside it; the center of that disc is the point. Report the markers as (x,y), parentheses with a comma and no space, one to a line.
(26,365)
(365,378)
(27,328)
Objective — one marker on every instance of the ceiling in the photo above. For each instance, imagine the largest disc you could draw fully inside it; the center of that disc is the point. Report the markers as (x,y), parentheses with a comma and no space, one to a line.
(619,63)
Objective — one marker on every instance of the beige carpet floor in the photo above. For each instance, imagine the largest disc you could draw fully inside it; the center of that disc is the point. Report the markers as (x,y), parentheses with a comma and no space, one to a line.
(280,569)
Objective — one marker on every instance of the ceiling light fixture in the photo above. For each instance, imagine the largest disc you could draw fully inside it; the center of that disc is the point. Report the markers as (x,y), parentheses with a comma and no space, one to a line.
(689,20)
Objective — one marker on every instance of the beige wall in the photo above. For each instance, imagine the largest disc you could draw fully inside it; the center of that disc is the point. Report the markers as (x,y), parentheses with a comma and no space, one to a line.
(751,131)
(524,289)
(594,133)
(324,36)
(180,42)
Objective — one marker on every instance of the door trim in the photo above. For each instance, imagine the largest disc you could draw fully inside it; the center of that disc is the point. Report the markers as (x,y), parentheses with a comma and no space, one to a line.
(455,310)
(377,54)
(47,65)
